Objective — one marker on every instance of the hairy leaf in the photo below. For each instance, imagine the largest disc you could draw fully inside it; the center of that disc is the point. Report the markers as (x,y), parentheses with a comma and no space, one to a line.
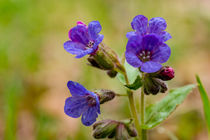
(136,84)
(156,113)
(133,77)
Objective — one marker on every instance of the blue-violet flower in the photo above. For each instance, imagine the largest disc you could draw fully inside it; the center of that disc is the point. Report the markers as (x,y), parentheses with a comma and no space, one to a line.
(84,39)
(155,25)
(147,52)
(82,102)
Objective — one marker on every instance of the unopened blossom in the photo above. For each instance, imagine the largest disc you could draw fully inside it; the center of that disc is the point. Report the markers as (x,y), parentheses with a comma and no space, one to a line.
(147,52)
(84,39)
(82,103)
(142,26)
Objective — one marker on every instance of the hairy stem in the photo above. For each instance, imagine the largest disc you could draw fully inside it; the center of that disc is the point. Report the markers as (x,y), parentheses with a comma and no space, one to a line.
(132,107)
(142,110)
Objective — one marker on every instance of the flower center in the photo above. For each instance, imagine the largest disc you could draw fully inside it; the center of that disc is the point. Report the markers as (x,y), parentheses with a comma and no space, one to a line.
(90,44)
(91,100)
(144,56)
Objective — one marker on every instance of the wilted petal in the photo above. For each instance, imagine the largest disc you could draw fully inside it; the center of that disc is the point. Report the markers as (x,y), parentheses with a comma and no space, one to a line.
(139,24)
(150,67)
(94,28)
(75,106)
(77,89)
(161,53)
(157,24)
(89,117)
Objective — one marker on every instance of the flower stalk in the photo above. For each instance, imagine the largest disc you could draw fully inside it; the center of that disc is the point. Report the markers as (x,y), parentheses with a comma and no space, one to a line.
(142,110)
(132,107)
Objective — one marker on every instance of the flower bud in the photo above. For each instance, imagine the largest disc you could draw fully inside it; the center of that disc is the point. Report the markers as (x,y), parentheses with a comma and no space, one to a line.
(93,62)
(150,87)
(106,59)
(163,86)
(165,73)
(154,86)
(105,128)
(111,73)
(105,95)
(126,129)
(131,130)
(121,132)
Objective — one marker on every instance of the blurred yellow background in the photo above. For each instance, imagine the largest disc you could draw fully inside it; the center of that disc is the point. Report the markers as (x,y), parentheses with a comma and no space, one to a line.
(34,67)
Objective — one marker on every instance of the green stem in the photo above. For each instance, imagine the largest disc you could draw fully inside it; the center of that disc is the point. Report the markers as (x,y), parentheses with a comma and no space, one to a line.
(120,94)
(132,107)
(142,110)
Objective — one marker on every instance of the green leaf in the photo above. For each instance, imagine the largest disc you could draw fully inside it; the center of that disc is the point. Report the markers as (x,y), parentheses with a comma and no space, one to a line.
(158,112)
(206,103)
(133,77)
(136,84)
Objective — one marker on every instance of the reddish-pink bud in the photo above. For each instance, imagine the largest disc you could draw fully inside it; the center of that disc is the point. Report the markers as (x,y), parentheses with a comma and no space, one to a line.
(166,73)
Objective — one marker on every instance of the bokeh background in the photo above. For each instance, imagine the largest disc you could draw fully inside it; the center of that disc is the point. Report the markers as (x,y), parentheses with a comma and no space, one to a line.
(34,67)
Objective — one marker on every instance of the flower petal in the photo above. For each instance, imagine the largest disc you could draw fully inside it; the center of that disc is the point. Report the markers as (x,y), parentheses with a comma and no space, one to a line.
(74,47)
(130,34)
(94,28)
(161,54)
(81,23)
(75,106)
(79,34)
(77,89)
(150,67)
(134,44)
(83,53)
(97,101)
(139,24)
(157,24)
(98,40)
(150,41)
(132,49)
(132,59)
(165,36)
(89,117)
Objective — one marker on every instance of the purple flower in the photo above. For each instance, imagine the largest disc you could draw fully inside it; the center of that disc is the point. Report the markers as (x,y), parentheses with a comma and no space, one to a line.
(147,52)
(84,39)
(82,102)
(156,25)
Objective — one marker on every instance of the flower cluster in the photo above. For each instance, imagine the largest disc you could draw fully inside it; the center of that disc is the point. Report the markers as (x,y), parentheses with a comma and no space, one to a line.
(146,50)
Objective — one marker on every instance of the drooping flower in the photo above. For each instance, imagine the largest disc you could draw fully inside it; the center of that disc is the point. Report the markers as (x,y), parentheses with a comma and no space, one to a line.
(147,52)
(155,25)
(82,103)
(84,39)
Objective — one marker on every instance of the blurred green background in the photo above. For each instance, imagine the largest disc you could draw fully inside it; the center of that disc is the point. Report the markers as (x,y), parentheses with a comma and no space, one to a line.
(34,67)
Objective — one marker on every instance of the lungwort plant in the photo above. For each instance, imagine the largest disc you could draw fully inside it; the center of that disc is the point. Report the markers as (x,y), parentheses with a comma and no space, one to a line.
(146,52)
